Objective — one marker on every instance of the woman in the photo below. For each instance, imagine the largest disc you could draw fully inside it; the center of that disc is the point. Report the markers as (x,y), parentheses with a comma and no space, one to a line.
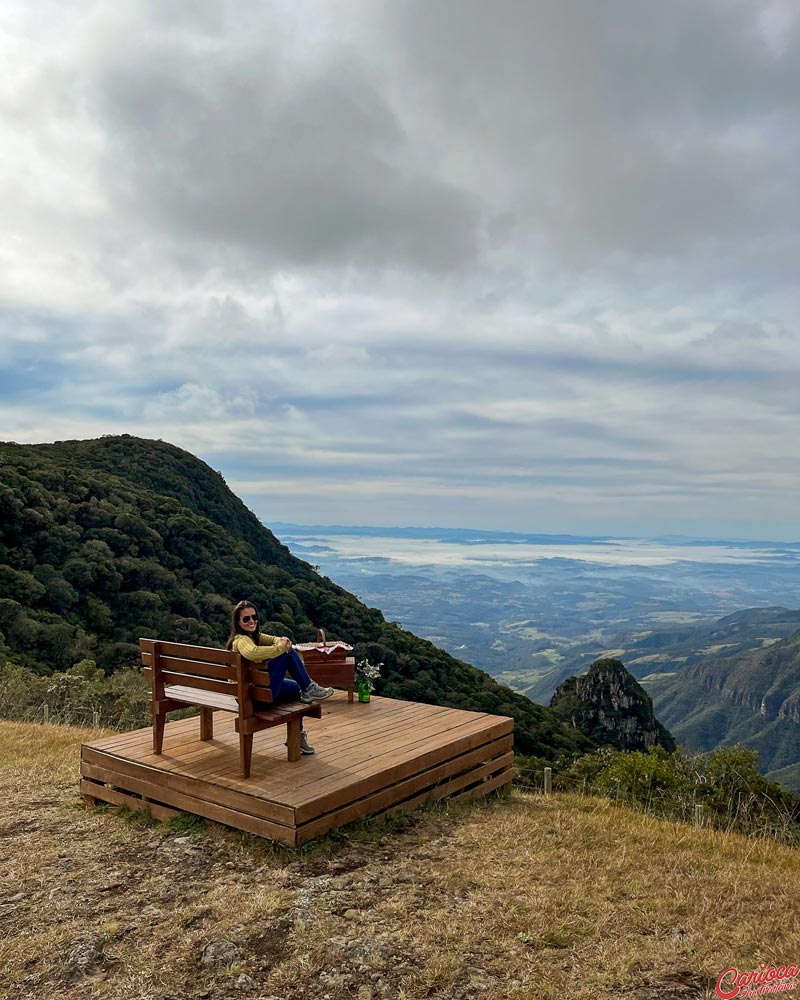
(276,651)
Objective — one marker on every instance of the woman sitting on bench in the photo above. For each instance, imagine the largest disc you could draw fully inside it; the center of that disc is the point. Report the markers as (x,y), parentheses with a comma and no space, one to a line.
(276,651)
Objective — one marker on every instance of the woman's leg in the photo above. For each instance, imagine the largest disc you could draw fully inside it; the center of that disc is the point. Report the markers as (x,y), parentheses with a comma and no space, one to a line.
(277,668)
(297,669)
(301,683)
(290,691)
(282,688)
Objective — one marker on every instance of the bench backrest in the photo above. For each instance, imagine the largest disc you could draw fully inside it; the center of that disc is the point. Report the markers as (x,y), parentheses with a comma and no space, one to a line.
(219,671)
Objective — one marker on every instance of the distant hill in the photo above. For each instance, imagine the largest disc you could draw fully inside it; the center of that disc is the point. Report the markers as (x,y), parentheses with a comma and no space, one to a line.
(734,680)
(106,540)
(674,647)
(752,697)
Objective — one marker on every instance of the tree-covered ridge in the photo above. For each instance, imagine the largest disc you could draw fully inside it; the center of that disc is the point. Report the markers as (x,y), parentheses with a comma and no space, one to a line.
(752,698)
(104,541)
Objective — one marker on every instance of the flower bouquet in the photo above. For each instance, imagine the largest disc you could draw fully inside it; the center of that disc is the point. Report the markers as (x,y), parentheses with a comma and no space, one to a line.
(366,674)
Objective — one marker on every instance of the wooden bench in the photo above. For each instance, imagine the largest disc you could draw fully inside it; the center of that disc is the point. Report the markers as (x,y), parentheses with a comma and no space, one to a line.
(217,680)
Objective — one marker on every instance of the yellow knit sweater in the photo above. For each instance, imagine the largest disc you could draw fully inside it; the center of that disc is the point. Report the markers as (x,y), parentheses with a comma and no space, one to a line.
(270,647)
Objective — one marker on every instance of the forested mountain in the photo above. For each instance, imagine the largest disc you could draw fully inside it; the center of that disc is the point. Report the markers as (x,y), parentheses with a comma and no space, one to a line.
(752,697)
(106,540)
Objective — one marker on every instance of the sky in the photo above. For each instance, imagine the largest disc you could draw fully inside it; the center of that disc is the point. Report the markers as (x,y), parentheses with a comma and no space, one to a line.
(524,265)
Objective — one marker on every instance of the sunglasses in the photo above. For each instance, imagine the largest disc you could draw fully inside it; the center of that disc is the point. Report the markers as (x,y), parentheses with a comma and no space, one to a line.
(248,618)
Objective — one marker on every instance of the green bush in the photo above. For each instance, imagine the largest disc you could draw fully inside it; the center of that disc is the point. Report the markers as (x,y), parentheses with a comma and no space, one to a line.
(726,783)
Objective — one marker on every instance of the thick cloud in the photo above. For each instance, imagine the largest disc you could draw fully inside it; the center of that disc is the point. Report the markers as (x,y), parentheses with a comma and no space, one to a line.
(525,264)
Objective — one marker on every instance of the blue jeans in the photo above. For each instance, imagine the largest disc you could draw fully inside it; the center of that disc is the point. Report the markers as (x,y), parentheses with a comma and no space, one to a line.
(282,688)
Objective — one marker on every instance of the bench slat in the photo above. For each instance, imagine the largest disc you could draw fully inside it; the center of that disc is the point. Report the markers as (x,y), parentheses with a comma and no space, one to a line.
(258,693)
(205,653)
(260,677)
(198,668)
(192,696)
(199,683)
(277,716)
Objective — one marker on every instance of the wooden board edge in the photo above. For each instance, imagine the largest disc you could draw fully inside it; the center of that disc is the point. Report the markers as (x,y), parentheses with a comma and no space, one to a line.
(481,741)
(197,788)
(432,790)
(184,803)
(92,791)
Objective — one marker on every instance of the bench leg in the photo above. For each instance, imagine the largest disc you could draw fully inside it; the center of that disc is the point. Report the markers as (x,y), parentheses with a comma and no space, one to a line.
(206,723)
(245,753)
(293,738)
(350,696)
(158,731)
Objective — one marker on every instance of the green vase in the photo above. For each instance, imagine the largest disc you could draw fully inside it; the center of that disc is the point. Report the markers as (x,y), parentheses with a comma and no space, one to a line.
(363,691)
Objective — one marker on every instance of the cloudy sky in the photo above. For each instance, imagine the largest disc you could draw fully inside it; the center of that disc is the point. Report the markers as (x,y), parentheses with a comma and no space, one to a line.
(527,264)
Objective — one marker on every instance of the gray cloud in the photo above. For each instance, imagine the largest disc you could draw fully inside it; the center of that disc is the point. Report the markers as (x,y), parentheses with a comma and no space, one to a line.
(646,129)
(293,164)
(521,264)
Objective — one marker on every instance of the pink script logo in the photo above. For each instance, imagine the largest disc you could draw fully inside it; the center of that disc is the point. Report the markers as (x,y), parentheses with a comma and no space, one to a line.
(757,983)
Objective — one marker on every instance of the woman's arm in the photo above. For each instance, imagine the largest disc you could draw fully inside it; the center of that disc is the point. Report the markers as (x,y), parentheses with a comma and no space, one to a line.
(271,647)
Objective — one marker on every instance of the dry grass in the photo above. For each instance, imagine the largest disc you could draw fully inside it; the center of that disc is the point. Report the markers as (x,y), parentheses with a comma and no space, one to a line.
(515,898)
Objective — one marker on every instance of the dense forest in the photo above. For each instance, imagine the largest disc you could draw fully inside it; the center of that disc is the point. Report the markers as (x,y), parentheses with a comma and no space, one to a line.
(107,540)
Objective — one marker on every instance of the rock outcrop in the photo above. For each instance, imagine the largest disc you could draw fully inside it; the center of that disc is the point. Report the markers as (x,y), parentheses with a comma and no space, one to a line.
(609,706)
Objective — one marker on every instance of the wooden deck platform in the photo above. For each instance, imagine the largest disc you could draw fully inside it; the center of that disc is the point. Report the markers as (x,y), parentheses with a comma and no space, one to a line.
(371,758)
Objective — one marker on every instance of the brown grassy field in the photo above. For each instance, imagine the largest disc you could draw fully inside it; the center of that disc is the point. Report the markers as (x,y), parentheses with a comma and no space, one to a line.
(518,897)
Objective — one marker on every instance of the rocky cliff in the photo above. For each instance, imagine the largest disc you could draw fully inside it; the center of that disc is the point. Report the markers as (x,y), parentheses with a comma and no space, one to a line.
(751,698)
(610,707)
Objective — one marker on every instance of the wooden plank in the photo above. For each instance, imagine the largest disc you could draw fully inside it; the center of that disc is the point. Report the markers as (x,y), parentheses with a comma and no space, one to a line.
(375,783)
(377,802)
(176,729)
(339,769)
(270,756)
(260,693)
(205,653)
(189,803)
(198,683)
(345,744)
(198,668)
(258,676)
(226,724)
(381,750)
(391,768)
(314,805)
(449,791)
(196,696)
(434,794)
(192,757)
(93,790)
(395,735)
(502,780)
(280,715)
(127,771)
